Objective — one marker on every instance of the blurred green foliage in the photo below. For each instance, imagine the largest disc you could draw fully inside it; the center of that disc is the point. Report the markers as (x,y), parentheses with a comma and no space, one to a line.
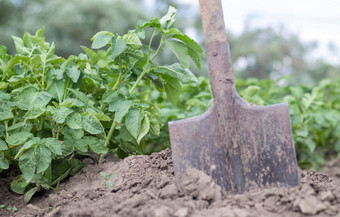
(270,53)
(68,22)
(314,112)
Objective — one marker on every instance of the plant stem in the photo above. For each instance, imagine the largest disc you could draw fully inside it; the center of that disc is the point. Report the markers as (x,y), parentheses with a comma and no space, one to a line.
(147,65)
(63,176)
(6,127)
(118,80)
(109,135)
(41,123)
(120,74)
(158,49)
(108,138)
(71,157)
(43,76)
(153,34)
(146,69)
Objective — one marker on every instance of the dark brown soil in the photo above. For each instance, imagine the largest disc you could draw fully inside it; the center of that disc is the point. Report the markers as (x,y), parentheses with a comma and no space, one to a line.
(144,186)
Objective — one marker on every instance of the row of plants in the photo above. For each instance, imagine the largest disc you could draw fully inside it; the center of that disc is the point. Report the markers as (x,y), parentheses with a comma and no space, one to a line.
(54,110)
(114,98)
(314,113)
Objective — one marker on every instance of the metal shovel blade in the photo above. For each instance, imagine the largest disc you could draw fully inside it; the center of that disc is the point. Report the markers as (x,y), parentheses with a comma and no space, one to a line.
(241,146)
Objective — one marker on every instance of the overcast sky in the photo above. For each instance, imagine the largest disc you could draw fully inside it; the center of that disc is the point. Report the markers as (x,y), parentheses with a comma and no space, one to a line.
(317,20)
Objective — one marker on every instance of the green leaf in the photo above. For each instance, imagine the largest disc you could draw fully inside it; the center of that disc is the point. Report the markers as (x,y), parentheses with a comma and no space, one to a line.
(34,113)
(53,144)
(250,91)
(76,166)
(74,121)
(118,47)
(120,107)
(73,73)
(168,20)
(4,164)
(138,54)
(19,184)
(101,116)
(16,126)
(60,114)
(35,61)
(60,167)
(80,95)
(29,194)
(6,114)
(20,46)
(155,126)
(91,125)
(132,40)
(28,145)
(180,50)
(173,89)
(176,71)
(145,127)
(195,57)
(91,54)
(109,96)
(18,138)
(12,62)
(3,145)
(42,99)
(3,85)
(124,135)
(310,144)
(102,175)
(303,132)
(152,23)
(27,164)
(190,43)
(73,133)
(138,29)
(80,145)
(133,121)
(101,39)
(23,97)
(50,52)
(96,145)
(43,158)
(40,32)
(57,90)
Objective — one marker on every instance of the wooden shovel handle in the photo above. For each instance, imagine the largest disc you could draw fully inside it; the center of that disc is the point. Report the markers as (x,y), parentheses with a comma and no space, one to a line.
(217,49)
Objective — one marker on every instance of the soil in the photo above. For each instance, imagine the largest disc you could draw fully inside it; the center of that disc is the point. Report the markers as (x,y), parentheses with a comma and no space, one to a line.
(144,186)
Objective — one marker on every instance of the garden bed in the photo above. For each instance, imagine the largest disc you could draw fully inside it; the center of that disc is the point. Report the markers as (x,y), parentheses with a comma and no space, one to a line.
(144,186)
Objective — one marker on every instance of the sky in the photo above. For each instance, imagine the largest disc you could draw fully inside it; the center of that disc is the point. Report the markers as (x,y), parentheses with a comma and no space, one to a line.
(312,20)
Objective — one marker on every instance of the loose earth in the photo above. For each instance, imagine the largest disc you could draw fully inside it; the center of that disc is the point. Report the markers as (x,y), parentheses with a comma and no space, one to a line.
(144,186)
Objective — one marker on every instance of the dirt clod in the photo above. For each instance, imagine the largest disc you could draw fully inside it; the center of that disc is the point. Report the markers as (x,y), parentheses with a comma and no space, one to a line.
(145,186)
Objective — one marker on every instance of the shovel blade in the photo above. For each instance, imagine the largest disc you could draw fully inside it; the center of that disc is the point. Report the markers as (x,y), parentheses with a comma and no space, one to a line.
(253,151)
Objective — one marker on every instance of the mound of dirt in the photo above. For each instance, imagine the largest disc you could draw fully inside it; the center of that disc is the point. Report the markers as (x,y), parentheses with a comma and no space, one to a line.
(144,186)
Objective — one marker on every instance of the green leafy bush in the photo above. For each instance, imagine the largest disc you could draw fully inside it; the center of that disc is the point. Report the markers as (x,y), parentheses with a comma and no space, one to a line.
(53,109)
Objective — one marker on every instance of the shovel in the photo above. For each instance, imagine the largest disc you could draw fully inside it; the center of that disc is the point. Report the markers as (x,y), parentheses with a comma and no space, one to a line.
(241,146)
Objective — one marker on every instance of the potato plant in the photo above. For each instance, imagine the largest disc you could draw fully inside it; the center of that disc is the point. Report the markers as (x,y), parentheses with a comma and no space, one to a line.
(54,110)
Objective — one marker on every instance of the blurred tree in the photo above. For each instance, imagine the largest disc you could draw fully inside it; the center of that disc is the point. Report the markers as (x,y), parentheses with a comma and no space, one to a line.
(268,53)
(70,23)
(275,52)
